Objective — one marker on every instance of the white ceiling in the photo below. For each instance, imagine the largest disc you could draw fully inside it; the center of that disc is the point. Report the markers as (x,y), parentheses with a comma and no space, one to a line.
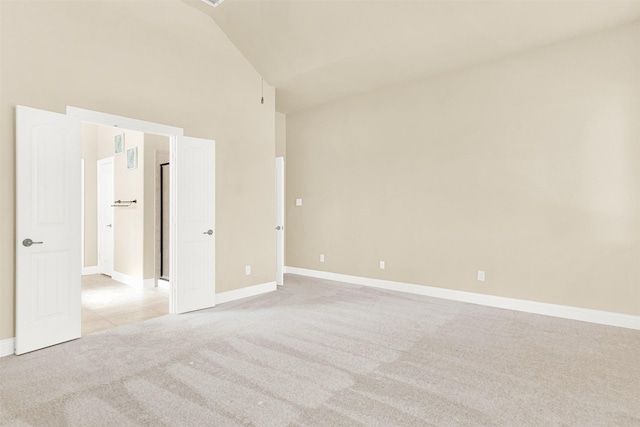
(315,51)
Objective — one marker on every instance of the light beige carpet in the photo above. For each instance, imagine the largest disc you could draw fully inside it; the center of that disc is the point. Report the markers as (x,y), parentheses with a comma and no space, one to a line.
(318,353)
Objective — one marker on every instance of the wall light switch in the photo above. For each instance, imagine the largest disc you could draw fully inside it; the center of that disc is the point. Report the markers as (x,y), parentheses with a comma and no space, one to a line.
(321,257)
(481,275)
(247,270)
(381,265)
(298,202)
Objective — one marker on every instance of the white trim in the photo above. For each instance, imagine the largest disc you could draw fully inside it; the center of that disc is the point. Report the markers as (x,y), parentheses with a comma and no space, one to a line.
(554,310)
(133,281)
(82,212)
(280,220)
(90,270)
(163,284)
(249,291)
(123,122)
(7,347)
(173,133)
(173,232)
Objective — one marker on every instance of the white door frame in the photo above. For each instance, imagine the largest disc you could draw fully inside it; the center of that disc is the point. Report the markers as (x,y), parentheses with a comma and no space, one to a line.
(280,212)
(173,133)
(82,215)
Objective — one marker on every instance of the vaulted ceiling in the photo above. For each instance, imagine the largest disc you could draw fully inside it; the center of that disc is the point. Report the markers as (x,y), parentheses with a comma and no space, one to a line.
(316,51)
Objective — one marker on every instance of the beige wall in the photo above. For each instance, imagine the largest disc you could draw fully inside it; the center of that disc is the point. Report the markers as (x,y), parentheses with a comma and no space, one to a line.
(117,57)
(526,167)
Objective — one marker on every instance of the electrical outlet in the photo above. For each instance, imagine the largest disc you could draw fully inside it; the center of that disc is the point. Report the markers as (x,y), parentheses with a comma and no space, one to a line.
(321,257)
(247,270)
(381,265)
(481,275)
(298,202)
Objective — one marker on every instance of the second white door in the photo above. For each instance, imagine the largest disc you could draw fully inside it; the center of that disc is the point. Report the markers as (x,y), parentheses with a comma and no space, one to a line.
(193,273)
(105,216)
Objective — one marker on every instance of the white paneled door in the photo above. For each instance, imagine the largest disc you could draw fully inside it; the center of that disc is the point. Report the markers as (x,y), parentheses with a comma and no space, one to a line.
(280,220)
(105,216)
(193,271)
(48,214)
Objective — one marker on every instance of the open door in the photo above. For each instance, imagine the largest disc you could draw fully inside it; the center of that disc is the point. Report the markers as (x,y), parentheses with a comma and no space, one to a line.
(48,214)
(193,271)
(280,220)
(105,216)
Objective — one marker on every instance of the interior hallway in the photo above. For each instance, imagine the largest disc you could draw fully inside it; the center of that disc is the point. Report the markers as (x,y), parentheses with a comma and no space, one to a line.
(107,304)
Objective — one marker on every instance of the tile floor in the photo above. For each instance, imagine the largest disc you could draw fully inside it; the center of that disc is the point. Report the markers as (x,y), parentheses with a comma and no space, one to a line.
(108,304)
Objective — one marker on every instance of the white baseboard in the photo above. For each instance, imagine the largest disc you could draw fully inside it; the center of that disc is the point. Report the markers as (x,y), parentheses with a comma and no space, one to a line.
(133,281)
(249,291)
(90,270)
(7,347)
(164,284)
(554,310)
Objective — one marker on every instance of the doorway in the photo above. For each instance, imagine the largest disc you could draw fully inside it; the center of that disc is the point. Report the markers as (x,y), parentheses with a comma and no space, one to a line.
(51,143)
(126,226)
(192,252)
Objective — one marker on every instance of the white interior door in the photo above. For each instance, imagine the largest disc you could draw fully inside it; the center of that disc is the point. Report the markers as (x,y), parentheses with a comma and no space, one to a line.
(105,216)
(193,218)
(280,220)
(48,216)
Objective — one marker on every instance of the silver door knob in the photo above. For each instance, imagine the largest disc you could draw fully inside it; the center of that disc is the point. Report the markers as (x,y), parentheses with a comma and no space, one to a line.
(109,225)
(279,228)
(29,242)
(209,232)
